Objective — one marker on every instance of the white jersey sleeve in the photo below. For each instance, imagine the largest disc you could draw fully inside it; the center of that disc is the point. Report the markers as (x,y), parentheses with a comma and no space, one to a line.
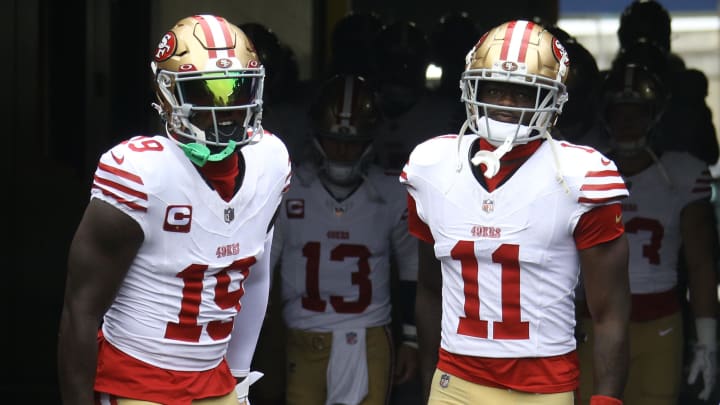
(508,257)
(249,319)
(176,306)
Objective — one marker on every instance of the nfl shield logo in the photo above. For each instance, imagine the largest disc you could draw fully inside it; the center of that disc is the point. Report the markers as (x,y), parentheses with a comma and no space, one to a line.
(351,338)
(444,380)
(229,214)
(488,205)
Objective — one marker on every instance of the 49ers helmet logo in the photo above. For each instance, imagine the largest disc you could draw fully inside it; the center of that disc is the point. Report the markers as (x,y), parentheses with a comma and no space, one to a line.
(560,52)
(223,63)
(509,66)
(166,48)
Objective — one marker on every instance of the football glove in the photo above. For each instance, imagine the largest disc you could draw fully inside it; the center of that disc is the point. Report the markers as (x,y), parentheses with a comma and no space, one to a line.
(705,358)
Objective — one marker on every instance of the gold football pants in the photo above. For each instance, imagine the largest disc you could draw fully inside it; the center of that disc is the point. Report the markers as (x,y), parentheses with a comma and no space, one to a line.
(655,361)
(308,354)
(447,389)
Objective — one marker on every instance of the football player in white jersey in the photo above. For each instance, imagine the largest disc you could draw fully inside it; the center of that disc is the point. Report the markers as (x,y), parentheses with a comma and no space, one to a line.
(338,231)
(510,217)
(168,272)
(668,208)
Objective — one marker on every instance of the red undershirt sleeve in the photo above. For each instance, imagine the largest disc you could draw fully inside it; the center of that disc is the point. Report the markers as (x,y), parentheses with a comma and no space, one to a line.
(599,225)
(416,226)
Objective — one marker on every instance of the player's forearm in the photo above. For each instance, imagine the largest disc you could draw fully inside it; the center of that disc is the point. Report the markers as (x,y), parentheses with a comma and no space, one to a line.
(699,239)
(702,277)
(611,357)
(77,359)
(703,291)
(428,311)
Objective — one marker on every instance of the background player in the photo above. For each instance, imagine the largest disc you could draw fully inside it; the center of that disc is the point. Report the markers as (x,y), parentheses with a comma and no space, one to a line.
(340,231)
(668,208)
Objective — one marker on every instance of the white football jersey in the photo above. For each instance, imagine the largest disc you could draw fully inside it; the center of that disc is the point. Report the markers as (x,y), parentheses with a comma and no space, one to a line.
(652,218)
(176,306)
(509,260)
(335,256)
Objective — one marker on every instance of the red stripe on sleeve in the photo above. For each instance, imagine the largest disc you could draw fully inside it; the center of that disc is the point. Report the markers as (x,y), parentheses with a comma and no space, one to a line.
(117,186)
(603,187)
(121,200)
(120,173)
(602,173)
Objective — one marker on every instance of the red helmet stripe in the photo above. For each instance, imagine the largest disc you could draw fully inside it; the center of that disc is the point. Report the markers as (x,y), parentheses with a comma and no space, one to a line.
(515,45)
(217,35)
(201,19)
(228,37)
(525,41)
(508,38)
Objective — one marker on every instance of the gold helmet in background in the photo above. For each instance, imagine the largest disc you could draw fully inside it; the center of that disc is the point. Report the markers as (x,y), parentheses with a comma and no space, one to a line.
(209,86)
(518,52)
(345,111)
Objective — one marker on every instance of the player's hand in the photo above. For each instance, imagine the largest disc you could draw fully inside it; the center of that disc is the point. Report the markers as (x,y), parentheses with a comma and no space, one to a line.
(704,363)
(406,366)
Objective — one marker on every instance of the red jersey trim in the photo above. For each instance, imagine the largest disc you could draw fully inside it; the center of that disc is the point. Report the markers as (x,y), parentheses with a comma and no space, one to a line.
(120,199)
(541,375)
(127,190)
(120,173)
(127,377)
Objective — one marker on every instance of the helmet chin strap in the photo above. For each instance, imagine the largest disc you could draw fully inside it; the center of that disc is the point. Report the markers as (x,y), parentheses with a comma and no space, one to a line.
(491,159)
(200,154)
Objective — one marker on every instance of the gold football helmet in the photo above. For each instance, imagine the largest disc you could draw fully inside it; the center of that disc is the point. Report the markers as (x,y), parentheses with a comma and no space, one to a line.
(634,99)
(516,52)
(209,87)
(346,111)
